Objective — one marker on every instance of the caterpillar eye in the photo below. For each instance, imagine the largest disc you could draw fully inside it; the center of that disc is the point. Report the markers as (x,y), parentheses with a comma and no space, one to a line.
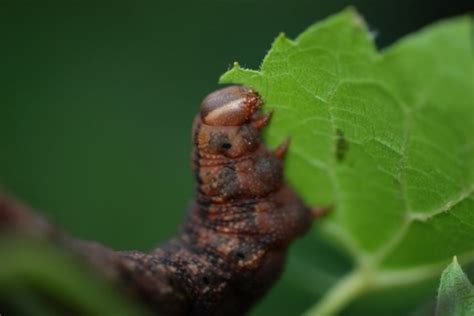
(226,146)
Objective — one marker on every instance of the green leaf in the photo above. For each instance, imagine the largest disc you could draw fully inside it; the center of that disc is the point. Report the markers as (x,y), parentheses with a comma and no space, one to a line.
(385,137)
(456,293)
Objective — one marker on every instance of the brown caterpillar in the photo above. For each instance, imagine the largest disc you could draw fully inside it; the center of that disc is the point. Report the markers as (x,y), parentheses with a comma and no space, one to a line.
(232,245)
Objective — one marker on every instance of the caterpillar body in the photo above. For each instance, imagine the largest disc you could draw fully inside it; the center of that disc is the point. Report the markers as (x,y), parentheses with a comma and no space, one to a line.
(232,245)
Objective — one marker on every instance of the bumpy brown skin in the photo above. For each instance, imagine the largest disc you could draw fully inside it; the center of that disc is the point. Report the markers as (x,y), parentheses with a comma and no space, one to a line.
(232,245)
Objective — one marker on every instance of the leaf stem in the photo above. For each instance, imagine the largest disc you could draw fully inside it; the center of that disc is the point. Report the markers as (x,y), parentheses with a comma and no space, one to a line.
(352,285)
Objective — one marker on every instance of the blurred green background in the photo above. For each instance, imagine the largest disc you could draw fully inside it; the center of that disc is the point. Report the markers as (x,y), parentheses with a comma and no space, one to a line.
(97,101)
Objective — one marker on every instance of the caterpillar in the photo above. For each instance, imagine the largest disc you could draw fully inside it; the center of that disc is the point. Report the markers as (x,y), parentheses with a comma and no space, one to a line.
(232,245)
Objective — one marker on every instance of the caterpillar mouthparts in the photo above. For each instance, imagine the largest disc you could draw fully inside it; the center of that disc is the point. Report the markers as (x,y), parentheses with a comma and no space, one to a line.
(230,106)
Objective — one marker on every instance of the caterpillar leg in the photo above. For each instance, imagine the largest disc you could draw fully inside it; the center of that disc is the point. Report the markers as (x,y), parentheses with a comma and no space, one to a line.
(320,212)
(281,150)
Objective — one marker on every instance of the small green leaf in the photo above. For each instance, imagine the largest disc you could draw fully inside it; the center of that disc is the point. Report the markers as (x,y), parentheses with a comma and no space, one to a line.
(385,137)
(456,293)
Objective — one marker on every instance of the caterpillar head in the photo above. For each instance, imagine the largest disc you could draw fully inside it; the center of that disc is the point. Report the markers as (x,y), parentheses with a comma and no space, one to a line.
(229,123)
